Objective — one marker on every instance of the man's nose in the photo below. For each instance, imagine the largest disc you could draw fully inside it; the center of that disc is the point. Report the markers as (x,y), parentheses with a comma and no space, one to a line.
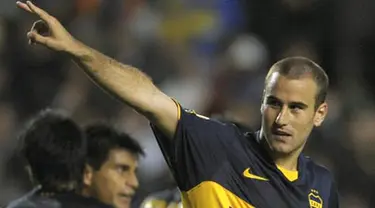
(282,118)
(133,181)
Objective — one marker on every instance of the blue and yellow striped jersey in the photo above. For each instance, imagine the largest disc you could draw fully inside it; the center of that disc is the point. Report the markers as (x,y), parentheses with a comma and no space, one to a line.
(216,164)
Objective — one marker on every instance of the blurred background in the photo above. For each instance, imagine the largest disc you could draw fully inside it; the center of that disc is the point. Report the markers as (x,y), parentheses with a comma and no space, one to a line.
(212,56)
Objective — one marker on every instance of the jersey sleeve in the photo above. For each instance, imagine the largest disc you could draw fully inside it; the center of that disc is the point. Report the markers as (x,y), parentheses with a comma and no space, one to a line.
(199,147)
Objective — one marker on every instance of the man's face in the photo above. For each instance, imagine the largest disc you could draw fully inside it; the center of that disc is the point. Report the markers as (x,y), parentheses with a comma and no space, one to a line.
(116,181)
(289,114)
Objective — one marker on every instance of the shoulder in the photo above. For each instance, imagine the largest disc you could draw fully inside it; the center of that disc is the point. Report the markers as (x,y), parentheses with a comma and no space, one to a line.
(75,200)
(201,125)
(318,170)
(35,201)
(26,200)
(21,202)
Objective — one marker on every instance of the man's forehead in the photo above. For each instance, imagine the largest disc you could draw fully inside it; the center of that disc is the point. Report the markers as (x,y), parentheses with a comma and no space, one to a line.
(296,89)
(120,155)
(274,76)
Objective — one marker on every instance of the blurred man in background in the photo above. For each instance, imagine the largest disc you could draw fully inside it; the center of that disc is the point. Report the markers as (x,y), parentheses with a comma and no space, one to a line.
(54,148)
(112,162)
(216,164)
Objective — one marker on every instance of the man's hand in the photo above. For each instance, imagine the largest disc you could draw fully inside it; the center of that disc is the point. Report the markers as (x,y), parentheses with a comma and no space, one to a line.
(48,31)
(125,82)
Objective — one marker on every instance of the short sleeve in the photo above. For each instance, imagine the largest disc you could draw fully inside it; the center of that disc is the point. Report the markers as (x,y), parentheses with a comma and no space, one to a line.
(198,149)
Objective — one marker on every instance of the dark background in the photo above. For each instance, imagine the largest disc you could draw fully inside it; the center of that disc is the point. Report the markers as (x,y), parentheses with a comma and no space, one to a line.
(210,55)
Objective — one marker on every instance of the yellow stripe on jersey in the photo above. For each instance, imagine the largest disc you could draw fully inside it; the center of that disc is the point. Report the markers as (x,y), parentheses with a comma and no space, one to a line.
(213,195)
(291,175)
(178,109)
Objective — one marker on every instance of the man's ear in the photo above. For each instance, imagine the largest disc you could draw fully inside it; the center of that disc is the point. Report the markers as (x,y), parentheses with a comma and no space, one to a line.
(320,114)
(261,109)
(88,175)
(262,102)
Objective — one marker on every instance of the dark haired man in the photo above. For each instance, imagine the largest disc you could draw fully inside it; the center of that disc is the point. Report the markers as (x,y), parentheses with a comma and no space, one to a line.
(112,162)
(54,149)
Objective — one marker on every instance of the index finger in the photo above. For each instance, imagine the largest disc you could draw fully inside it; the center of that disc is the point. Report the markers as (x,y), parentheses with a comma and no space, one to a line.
(38,11)
(24,6)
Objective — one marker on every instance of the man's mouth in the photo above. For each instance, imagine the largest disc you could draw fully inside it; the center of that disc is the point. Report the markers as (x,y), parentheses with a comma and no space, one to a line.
(281,133)
(126,197)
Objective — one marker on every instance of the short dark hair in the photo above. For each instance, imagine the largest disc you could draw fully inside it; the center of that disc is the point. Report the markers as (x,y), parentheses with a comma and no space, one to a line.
(54,147)
(102,139)
(298,67)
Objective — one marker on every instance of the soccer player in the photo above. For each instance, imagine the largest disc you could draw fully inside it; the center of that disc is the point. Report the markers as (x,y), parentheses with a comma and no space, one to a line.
(112,162)
(216,164)
(54,149)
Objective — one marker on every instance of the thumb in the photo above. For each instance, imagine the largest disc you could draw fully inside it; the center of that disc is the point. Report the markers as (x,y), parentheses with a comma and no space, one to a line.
(35,38)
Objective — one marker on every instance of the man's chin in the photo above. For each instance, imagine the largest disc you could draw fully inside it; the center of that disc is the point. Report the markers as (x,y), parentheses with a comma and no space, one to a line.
(123,203)
(281,148)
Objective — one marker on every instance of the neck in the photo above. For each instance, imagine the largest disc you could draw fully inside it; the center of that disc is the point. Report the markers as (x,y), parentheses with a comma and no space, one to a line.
(288,161)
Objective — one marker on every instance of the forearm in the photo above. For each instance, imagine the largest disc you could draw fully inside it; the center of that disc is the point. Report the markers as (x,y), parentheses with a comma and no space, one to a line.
(125,82)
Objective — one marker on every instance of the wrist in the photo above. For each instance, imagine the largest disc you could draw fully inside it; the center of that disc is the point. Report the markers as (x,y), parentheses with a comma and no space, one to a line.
(77,50)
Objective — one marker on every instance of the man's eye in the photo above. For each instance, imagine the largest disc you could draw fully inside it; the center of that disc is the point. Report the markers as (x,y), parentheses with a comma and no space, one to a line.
(122,169)
(296,107)
(273,103)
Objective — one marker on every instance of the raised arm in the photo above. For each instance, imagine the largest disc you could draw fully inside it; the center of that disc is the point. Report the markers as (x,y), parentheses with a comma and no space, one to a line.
(126,83)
